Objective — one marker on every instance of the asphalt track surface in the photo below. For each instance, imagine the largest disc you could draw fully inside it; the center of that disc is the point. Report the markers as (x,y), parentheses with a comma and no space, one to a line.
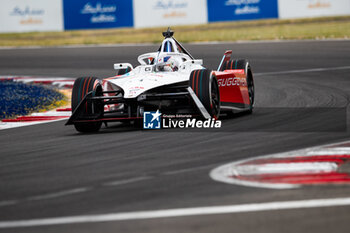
(50,170)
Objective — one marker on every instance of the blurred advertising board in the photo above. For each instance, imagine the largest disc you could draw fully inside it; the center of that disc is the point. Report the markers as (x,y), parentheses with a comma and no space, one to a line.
(94,14)
(230,10)
(153,13)
(25,16)
(312,8)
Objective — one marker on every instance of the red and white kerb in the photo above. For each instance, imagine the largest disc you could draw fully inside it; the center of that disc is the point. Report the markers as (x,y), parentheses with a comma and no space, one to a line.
(313,166)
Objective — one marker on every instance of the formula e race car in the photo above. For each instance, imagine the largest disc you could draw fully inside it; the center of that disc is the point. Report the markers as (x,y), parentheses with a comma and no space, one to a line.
(170,81)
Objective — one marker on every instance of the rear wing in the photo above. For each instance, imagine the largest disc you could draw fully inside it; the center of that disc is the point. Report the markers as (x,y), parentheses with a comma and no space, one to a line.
(226,57)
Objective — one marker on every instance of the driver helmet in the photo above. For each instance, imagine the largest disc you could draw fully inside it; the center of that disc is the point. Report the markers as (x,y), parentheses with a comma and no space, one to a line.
(169,64)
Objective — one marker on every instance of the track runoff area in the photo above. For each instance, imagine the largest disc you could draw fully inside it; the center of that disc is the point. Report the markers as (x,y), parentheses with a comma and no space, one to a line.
(294,169)
(64,85)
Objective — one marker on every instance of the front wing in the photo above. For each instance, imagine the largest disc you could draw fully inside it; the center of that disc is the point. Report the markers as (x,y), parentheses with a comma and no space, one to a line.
(107,116)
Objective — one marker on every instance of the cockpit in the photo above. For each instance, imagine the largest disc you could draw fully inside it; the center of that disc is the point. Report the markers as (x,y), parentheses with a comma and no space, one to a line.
(171,54)
(170,57)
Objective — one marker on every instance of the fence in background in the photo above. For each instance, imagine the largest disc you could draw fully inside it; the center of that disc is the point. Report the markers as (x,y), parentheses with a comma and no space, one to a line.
(312,8)
(93,14)
(152,13)
(59,15)
(230,10)
(34,15)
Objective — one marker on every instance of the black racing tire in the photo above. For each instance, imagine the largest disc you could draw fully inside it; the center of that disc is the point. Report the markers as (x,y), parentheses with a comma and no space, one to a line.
(83,86)
(123,71)
(205,85)
(234,64)
(243,64)
(251,88)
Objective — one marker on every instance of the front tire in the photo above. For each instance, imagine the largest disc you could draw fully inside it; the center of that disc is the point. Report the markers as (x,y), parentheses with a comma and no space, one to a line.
(205,85)
(82,86)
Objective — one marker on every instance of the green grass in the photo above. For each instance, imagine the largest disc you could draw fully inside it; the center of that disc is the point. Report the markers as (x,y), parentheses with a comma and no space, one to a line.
(298,29)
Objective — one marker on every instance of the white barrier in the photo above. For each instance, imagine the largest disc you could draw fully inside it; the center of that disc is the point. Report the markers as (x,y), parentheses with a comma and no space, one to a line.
(47,15)
(312,8)
(26,15)
(153,13)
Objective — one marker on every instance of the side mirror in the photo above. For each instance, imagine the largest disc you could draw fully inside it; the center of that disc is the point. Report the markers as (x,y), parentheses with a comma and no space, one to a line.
(119,66)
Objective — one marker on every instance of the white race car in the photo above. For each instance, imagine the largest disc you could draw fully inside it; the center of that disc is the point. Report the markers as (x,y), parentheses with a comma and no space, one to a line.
(169,80)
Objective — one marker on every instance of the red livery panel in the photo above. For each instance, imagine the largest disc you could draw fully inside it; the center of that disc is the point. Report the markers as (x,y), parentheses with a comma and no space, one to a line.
(233,86)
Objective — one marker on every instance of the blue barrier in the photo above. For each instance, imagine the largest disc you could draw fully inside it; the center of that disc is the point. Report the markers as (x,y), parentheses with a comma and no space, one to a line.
(20,99)
(94,14)
(229,10)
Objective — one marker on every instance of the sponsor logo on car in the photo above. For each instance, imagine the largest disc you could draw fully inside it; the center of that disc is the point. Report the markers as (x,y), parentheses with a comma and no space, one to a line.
(232,82)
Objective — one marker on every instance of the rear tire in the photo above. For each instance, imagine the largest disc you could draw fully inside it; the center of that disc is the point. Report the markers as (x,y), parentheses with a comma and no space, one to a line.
(205,85)
(83,86)
(234,65)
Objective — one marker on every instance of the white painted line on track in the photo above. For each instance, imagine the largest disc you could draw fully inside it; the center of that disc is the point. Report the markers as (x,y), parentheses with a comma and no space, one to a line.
(127,181)
(267,41)
(183,212)
(304,70)
(7,203)
(46,196)
(53,113)
(79,46)
(58,194)
(21,124)
(187,170)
